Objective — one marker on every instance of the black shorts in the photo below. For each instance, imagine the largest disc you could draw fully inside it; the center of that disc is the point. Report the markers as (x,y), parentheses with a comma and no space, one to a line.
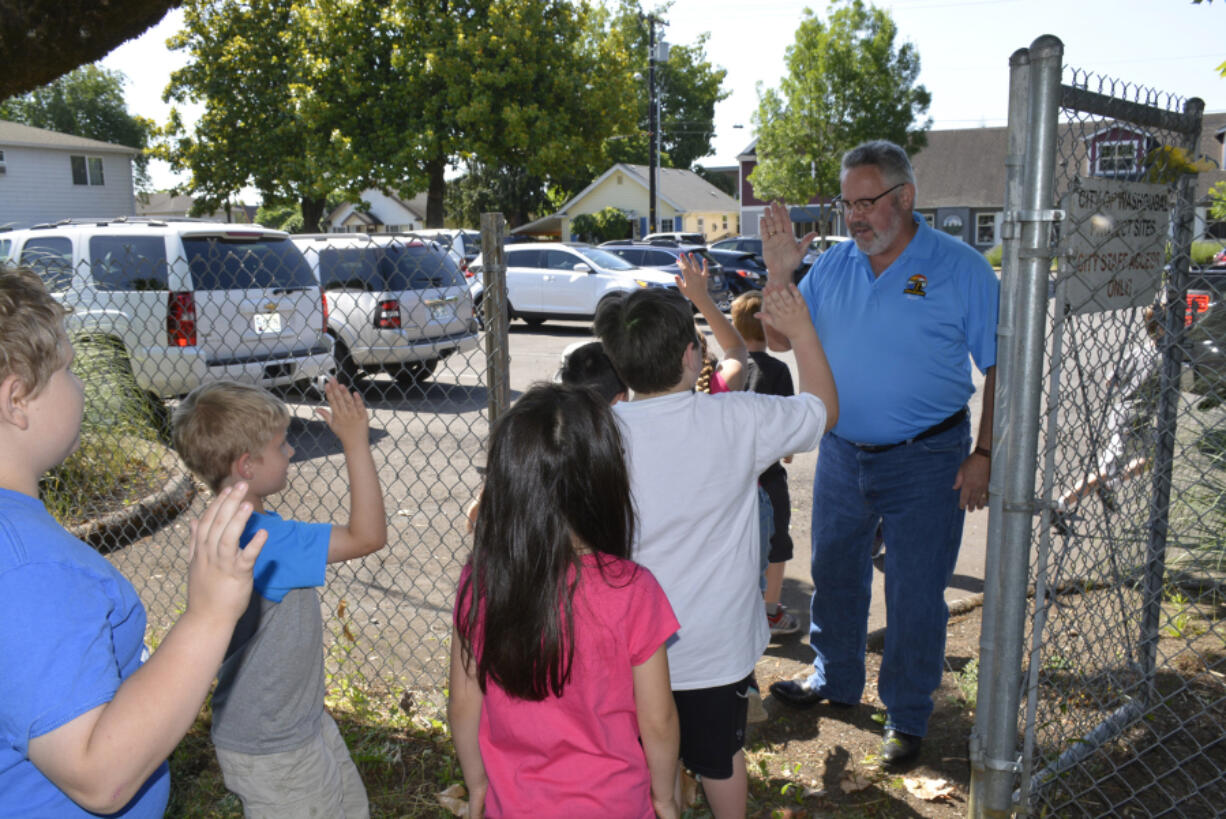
(776,488)
(712,727)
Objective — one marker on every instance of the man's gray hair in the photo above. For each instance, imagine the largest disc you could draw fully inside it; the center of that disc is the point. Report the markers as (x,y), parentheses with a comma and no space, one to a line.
(885,156)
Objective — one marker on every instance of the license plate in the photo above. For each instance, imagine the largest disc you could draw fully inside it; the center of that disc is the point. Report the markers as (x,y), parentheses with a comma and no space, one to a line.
(266,322)
(441,310)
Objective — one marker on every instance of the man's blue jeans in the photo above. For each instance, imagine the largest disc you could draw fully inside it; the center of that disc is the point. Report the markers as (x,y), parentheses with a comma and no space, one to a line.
(910,488)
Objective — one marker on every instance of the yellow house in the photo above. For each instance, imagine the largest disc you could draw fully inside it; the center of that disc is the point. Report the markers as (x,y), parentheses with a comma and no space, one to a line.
(684,202)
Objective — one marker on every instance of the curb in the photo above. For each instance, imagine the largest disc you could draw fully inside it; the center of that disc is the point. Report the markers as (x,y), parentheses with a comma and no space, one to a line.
(117,529)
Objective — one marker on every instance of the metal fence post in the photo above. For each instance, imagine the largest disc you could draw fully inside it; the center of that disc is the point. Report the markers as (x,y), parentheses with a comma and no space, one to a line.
(497,319)
(996,653)
(1017,505)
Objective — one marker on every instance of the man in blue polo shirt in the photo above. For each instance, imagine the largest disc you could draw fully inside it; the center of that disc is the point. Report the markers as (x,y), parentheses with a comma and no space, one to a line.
(901,310)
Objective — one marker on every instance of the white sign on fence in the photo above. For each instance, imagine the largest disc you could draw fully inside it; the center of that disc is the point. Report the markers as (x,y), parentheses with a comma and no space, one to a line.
(1115,238)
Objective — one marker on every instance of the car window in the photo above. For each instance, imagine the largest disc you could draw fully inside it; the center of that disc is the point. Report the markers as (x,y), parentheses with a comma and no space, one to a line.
(51,258)
(528,257)
(635,257)
(603,259)
(5,246)
(390,268)
(218,263)
(560,260)
(658,258)
(128,262)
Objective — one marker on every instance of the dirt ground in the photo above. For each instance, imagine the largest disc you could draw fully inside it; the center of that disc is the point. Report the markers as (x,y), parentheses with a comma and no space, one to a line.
(825,761)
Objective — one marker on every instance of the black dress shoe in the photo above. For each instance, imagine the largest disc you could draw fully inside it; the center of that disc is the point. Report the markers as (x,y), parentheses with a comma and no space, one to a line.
(898,748)
(799,695)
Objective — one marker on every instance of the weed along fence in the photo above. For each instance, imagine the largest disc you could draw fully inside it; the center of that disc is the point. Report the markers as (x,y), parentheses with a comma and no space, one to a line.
(387,616)
(1103,665)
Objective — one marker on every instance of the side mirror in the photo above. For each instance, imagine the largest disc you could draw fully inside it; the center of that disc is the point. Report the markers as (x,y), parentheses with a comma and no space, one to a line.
(582,267)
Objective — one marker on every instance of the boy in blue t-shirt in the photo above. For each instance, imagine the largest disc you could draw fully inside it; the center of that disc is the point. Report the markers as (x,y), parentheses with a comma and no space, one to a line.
(86,721)
(279,750)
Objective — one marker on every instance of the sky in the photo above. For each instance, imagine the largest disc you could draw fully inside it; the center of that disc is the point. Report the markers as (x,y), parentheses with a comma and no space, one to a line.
(964,47)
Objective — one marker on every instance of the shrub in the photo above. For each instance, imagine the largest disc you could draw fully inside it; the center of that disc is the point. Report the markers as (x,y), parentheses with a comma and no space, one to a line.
(605,226)
(1203,252)
(110,463)
(994,255)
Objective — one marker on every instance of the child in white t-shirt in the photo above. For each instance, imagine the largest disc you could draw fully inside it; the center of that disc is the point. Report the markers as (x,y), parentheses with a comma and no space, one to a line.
(694,462)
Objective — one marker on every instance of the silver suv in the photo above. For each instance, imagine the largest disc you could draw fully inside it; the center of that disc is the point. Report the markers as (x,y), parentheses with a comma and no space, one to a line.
(397,304)
(190,301)
(555,280)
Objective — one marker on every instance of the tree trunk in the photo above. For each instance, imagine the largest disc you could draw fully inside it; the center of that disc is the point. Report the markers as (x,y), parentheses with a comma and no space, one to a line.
(434,195)
(312,213)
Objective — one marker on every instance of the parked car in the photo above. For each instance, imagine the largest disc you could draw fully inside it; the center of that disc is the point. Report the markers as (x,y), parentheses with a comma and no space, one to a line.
(467,242)
(1206,336)
(677,236)
(396,304)
(665,257)
(743,271)
(188,300)
(753,244)
(555,280)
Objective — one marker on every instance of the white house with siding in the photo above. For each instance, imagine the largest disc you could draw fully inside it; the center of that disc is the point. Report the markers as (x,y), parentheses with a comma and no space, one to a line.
(46,176)
(378,213)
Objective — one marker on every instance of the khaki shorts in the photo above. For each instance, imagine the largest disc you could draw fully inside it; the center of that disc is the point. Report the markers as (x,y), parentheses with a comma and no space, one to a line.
(316,781)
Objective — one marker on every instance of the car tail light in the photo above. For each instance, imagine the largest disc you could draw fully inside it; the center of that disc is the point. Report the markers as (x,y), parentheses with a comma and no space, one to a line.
(744,274)
(181,319)
(387,315)
(323,302)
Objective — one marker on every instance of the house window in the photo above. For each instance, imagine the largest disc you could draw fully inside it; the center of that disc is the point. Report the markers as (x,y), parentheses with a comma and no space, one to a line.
(700,230)
(725,217)
(666,225)
(3,168)
(1116,158)
(985,228)
(86,170)
(930,218)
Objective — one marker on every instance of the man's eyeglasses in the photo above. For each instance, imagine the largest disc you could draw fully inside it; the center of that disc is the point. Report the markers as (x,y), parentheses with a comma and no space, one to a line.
(862,205)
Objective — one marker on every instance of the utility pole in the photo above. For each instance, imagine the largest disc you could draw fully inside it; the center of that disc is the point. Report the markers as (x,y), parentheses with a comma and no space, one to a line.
(653,124)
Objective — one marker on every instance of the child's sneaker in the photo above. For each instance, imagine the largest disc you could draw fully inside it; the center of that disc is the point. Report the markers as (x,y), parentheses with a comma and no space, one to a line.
(783,621)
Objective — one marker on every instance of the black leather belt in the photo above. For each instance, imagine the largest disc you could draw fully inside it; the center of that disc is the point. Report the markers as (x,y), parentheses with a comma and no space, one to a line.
(936,429)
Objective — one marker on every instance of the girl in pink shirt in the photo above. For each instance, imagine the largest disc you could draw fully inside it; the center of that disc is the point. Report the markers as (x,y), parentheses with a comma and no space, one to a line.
(560,701)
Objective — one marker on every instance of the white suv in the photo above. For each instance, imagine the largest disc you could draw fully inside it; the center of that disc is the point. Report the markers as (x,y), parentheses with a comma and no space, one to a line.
(397,304)
(566,281)
(190,301)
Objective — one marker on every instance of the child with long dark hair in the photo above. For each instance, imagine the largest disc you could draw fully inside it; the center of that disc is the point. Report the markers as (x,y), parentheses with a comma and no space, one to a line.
(560,699)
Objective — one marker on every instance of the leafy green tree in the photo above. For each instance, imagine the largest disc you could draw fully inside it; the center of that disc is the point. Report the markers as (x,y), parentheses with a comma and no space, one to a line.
(847,81)
(258,69)
(86,102)
(689,87)
(308,96)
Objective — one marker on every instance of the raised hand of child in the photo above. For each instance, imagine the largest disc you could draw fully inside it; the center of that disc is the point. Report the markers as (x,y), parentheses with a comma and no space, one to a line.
(693,279)
(346,414)
(784,309)
(219,572)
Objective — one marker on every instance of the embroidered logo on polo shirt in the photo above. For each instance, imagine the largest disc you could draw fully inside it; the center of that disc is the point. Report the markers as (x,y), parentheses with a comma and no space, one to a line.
(917,285)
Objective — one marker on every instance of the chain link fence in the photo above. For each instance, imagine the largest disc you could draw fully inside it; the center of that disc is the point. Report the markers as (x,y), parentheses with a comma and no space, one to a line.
(158,307)
(1118,677)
